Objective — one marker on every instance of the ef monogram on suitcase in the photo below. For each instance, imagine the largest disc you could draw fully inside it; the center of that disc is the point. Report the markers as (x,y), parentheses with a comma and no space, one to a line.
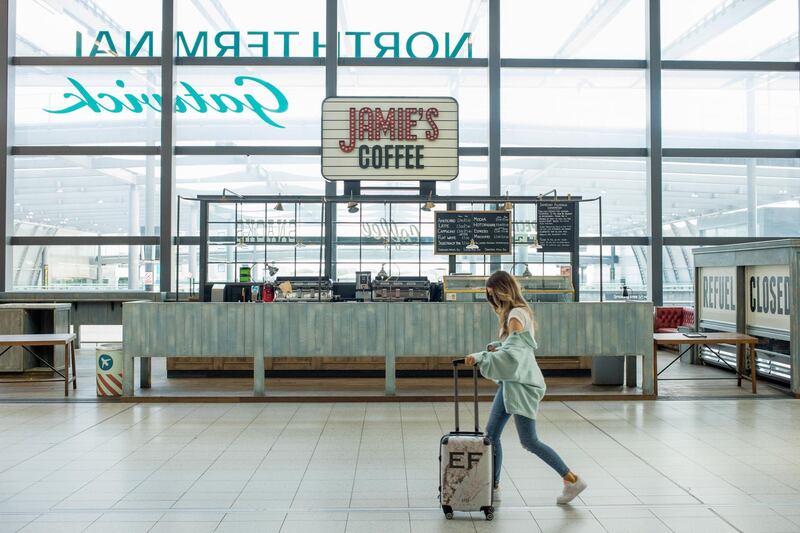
(466,469)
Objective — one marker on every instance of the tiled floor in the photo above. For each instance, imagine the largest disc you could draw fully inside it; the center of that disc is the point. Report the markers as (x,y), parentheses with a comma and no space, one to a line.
(682,466)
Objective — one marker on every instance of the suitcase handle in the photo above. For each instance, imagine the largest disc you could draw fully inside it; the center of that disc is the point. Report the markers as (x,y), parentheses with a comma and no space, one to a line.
(462,361)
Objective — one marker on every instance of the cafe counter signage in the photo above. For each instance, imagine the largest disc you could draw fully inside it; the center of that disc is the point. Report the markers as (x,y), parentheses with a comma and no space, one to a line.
(769,293)
(472,232)
(390,138)
(557,226)
(717,294)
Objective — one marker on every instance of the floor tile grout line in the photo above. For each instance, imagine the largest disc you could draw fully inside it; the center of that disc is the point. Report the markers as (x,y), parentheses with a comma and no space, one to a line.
(72,436)
(224,515)
(714,511)
(119,433)
(209,426)
(612,476)
(189,412)
(26,524)
(87,429)
(102,513)
(358,455)
(632,452)
(602,525)
(196,408)
(530,508)
(703,440)
(311,457)
(277,438)
(405,461)
(635,455)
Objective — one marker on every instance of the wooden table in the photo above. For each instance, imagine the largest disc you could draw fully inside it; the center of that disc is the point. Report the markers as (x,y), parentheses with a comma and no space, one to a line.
(67,340)
(737,339)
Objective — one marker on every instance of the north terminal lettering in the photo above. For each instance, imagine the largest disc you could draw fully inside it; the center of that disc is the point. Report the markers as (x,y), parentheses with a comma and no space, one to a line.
(770,295)
(275,44)
(394,124)
(718,293)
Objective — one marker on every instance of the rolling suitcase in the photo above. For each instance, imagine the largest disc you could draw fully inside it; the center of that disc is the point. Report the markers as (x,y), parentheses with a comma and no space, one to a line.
(466,469)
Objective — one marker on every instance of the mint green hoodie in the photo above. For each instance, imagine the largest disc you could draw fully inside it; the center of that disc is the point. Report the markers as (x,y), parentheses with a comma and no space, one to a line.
(514,364)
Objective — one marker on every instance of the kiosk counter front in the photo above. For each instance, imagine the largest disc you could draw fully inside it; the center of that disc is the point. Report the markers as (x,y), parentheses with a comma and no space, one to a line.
(353,330)
(452,290)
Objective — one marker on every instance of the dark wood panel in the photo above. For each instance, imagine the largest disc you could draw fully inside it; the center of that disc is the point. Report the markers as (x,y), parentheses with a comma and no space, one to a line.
(239,364)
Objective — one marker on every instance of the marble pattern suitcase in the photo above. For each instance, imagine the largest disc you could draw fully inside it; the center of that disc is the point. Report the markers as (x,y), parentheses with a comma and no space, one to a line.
(465,463)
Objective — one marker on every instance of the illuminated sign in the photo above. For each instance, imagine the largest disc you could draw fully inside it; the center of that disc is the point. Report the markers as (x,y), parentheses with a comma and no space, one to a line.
(396,138)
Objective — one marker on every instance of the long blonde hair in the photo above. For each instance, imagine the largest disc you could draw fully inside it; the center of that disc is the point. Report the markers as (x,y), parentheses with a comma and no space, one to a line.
(506,295)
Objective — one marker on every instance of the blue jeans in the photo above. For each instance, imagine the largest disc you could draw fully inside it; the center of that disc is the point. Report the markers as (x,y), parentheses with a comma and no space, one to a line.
(526,428)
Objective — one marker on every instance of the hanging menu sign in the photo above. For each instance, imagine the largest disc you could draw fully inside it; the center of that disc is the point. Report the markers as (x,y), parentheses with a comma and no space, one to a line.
(472,232)
(556,226)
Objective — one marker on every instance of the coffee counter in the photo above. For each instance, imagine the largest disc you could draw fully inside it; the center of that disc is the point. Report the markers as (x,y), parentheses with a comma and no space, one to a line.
(385,330)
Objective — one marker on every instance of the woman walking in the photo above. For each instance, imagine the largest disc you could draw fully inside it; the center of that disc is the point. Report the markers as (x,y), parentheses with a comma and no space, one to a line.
(521,386)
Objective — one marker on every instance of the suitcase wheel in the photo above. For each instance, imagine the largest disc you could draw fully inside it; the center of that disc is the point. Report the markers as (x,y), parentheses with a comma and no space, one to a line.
(448,512)
(488,512)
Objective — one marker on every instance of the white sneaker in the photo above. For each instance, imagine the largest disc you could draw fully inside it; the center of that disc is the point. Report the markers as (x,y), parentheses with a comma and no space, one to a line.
(571,491)
(496,495)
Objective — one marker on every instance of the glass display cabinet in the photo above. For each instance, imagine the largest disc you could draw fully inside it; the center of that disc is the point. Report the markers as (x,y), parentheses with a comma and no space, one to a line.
(462,288)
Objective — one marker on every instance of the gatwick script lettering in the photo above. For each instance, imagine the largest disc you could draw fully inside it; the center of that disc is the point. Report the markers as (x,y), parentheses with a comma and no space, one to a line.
(191,100)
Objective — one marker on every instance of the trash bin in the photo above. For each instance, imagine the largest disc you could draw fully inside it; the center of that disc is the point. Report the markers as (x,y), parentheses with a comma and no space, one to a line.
(608,370)
(109,370)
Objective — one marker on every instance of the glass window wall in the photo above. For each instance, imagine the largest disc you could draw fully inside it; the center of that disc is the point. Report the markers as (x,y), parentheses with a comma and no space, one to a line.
(85,129)
(574,29)
(566,107)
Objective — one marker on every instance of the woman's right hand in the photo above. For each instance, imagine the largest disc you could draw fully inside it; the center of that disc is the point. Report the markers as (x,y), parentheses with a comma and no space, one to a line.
(490,348)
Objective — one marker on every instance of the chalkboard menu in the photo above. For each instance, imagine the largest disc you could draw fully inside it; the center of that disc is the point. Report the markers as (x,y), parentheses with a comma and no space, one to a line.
(557,226)
(472,232)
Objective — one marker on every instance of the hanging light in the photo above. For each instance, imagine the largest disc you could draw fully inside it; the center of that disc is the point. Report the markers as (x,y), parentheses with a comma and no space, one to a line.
(427,206)
(352,205)
(507,205)
(527,273)
(279,205)
(272,269)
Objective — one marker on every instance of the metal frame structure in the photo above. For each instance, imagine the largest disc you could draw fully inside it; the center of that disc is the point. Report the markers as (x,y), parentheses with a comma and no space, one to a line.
(328,202)
(653,66)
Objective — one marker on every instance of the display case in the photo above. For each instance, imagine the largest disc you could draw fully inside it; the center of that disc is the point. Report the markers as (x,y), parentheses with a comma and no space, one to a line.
(459,288)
